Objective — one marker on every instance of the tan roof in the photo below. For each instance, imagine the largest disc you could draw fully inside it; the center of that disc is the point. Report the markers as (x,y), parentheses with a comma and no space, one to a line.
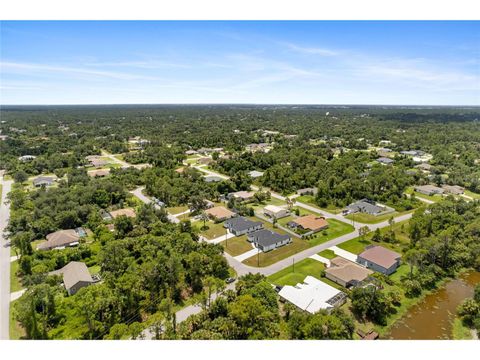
(453,189)
(73,273)
(220,212)
(100,172)
(128,212)
(311,222)
(98,162)
(180,170)
(243,194)
(380,256)
(346,270)
(59,238)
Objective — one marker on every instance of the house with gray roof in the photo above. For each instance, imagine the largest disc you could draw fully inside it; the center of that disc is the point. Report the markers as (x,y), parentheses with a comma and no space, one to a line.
(75,276)
(368,207)
(43,181)
(385,161)
(241,225)
(267,240)
(255,174)
(212,178)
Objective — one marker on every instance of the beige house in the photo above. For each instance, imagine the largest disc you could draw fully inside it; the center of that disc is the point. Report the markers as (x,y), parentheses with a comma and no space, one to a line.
(219,213)
(275,212)
(75,276)
(128,212)
(60,239)
(345,272)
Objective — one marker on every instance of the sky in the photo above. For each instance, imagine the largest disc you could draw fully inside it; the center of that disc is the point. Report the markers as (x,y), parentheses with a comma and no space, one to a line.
(259,62)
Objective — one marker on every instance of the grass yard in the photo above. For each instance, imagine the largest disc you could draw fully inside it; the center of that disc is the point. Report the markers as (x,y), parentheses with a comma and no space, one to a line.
(434,198)
(472,194)
(271,257)
(327,254)
(213,231)
(302,269)
(15,284)
(336,228)
(95,269)
(237,245)
(310,200)
(177,209)
(120,157)
(358,244)
(372,219)
(272,201)
(16,332)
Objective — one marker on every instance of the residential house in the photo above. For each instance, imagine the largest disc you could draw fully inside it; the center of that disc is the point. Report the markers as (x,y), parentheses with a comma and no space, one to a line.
(275,212)
(379,259)
(424,167)
(98,173)
(242,195)
(43,181)
(205,160)
(212,178)
(385,161)
(368,207)
(61,239)
(241,225)
(75,276)
(311,222)
(128,212)
(267,240)
(219,213)
(346,273)
(429,190)
(255,174)
(27,158)
(312,295)
(208,204)
(190,152)
(307,191)
(453,189)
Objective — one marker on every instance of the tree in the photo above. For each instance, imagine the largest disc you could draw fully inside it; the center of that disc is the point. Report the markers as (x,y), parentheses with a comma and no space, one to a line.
(370,303)
(364,231)
(20,177)
(377,236)
(123,225)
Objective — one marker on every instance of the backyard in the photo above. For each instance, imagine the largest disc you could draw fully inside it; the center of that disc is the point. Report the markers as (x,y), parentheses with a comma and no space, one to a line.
(237,245)
(214,230)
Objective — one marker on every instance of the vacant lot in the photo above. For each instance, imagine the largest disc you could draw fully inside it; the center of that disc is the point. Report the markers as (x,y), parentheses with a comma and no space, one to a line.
(213,231)
(237,245)
(310,200)
(358,244)
(177,209)
(291,276)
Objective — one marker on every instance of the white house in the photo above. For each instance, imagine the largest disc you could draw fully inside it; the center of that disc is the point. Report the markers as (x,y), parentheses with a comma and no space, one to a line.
(276,212)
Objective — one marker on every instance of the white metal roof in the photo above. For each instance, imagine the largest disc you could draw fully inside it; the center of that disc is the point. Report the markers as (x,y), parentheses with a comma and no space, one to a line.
(311,295)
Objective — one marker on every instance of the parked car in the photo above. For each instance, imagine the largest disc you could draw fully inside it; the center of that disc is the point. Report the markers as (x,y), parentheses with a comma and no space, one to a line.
(230,280)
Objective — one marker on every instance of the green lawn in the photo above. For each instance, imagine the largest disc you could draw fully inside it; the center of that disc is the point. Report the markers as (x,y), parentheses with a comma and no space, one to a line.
(434,198)
(327,254)
(336,228)
(15,284)
(15,330)
(372,219)
(237,245)
(358,244)
(472,194)
(310,200)
(177,209)
(120,157)
(272,201)
(95,269)
(213,231)
(302,269)
(459,331)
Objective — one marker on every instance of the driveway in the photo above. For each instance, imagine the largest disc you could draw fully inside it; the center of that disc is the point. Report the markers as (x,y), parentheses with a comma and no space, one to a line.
(246,255)
(343,253)
(4,262)
(145,199)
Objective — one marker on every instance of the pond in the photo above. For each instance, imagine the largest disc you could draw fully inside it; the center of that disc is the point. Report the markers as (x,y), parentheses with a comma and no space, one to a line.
(432,318)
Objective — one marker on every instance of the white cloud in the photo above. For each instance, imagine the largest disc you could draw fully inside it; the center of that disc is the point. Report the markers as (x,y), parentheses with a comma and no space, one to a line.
(312,50)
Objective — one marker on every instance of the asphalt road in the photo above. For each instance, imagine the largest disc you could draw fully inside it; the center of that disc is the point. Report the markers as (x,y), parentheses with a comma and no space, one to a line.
(4,262)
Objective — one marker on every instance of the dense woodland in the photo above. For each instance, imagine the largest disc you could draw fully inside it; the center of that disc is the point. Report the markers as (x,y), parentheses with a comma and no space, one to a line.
(151,267)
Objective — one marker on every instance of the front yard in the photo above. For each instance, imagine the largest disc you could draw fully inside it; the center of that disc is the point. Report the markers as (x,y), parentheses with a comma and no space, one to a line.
(237,245)
(213,231)
(434,198)
(304,268)
(15,284)
(177,209)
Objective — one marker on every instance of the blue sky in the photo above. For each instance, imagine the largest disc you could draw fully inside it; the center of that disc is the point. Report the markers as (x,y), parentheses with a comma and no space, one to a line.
(321,62)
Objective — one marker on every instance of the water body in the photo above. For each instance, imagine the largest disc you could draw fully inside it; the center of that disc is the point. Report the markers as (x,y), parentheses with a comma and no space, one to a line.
(432,318)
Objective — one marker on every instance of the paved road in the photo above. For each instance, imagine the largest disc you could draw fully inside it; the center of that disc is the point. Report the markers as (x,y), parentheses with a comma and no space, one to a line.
(4,262)
(138,193)
(114,159)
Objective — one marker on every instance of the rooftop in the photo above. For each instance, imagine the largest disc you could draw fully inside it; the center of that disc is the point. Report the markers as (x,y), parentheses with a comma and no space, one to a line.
(128,212)
(312,295)
(267,237)
(311,222)
(380,256)
(59,238)
(220,212)
(73,273)
(347,270)
(241,223)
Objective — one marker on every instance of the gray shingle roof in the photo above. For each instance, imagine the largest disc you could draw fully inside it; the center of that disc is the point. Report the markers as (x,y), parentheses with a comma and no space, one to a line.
(267,237)
(241,223)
